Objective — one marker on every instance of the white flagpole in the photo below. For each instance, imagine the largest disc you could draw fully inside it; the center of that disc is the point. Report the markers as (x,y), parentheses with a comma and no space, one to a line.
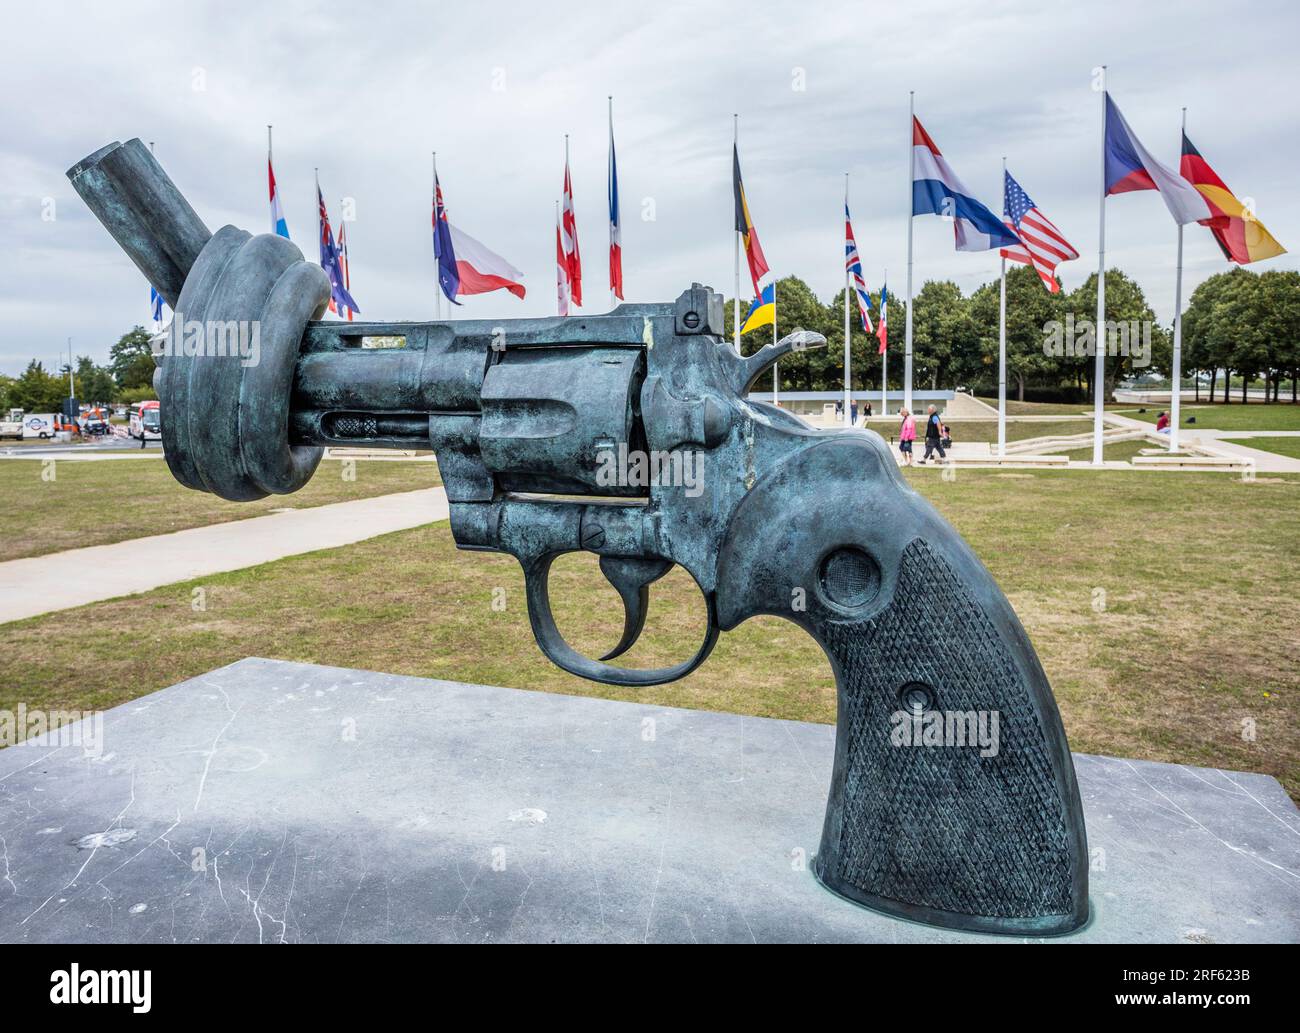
(907,333)
(613,301)
(1176,374)
(735,305)
(437,269)
(1002,344)
(848,410)
(1099,336)
(776,376)
(884,355)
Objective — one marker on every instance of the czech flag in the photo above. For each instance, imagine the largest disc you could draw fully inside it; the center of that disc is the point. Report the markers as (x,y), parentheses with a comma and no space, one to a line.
(762,311)
(464,265)
(936,190)
(1130,166)
(1242,237)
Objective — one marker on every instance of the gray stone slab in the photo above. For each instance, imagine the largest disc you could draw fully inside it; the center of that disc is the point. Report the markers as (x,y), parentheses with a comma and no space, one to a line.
(280,801)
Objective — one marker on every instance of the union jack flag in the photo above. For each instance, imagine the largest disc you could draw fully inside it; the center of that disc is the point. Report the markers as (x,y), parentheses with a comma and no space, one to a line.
(853,267)
(1043,247)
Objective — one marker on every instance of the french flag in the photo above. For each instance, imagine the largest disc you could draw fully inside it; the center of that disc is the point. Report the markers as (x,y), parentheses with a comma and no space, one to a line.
(615,226)
(464,265)
(936,190)
(278,224)
(1129,166)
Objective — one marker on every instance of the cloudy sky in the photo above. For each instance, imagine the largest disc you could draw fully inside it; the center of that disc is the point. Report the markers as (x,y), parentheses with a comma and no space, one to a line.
(365,91)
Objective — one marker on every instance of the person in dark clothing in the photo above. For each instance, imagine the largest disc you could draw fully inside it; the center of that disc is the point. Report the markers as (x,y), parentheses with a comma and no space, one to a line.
(933,435)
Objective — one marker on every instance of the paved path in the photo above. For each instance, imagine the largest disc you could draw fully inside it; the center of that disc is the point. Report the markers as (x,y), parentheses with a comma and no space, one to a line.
(62,580)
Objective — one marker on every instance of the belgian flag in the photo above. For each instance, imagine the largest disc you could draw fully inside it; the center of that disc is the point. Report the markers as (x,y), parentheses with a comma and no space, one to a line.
(745,226)
(1242,237)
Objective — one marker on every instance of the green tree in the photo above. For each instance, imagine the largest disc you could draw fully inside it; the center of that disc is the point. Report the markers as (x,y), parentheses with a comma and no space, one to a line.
(94,383)
(1125,303)
(38,391)
(943,332)
(131,359)
(1031,309)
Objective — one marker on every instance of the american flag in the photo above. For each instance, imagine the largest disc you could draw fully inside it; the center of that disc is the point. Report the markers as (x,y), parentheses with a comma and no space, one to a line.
(853,267)
(1043,246)
(569,225)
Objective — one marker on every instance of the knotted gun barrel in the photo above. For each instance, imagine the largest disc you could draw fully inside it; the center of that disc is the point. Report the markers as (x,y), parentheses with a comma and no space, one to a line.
(630,436)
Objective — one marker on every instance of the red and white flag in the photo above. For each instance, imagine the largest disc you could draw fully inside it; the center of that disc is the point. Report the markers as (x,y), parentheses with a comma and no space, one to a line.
(561,269)
(1043,245)
(569,239)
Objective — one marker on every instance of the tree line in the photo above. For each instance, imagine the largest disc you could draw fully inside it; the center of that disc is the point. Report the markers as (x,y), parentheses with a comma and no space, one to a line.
(1238,323)
(127,377)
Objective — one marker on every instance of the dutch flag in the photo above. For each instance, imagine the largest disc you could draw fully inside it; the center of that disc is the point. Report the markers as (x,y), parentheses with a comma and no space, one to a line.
(936,190)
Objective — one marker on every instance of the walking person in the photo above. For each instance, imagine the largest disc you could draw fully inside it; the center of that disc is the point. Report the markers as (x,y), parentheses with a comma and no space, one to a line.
(906,435)
(933,435)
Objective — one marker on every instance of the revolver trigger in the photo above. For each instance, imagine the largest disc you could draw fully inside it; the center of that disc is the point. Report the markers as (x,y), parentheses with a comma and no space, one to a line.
(631,577)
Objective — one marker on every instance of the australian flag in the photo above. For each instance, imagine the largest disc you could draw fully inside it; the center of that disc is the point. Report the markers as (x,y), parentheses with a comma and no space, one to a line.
(330,261)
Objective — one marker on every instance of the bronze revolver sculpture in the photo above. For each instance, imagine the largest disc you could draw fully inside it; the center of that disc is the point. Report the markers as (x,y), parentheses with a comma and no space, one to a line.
(529,416)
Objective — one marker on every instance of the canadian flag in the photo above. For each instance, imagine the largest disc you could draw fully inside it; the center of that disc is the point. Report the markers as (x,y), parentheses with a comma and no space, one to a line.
(569,238)
(561,268)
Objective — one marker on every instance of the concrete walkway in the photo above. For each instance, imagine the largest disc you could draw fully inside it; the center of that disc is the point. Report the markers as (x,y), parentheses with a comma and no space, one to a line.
(62,580)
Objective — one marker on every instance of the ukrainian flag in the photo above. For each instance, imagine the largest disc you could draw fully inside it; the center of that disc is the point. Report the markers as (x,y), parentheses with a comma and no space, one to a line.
(762,311)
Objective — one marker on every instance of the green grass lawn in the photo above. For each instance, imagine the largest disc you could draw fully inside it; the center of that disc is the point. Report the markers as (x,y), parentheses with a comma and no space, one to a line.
(1120,451)
(1256,416)
(1015,408)
(987,430)
(1194,637)
(1282,446)
(98,502)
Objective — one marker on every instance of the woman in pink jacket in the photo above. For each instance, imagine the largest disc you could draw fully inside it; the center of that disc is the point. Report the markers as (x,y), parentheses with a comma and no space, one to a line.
(906,435)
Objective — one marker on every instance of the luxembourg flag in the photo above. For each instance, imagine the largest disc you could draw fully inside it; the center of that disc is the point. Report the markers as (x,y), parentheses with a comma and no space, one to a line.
(278,224)
(936,190)
(464,265)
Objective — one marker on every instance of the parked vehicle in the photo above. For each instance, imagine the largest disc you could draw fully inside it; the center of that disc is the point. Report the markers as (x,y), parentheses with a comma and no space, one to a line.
(12,426)
(144,423)
(40,424)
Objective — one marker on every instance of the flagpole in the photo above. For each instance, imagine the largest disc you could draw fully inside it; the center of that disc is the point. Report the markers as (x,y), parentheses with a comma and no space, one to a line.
(776,376)
(613,301)
(735,305)
(907,316)
(1002,343)
(848,411)
(1099,335)
(437,269)
(884,355)
(1175,396)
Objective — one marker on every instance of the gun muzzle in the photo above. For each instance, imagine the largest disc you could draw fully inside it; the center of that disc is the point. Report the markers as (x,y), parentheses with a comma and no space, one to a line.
(137,202)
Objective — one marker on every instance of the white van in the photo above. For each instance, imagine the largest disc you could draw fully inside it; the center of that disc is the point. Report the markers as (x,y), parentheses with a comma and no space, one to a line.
(39,425)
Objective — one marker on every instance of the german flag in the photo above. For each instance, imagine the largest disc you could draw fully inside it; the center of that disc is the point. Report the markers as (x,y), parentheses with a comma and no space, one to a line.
(745,226)
(1242,237)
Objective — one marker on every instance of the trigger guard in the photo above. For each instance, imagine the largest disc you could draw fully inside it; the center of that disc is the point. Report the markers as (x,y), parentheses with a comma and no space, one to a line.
(564,656)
